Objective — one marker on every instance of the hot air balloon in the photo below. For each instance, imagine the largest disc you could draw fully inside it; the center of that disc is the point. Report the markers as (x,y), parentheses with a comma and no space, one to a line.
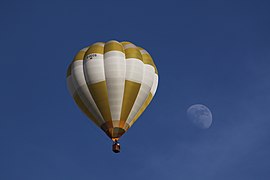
(112,83)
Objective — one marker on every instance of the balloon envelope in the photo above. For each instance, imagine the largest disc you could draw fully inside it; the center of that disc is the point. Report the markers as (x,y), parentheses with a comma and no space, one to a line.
(112,83)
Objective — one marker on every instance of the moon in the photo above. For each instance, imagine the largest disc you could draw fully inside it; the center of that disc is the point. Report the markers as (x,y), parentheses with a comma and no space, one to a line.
(200,116)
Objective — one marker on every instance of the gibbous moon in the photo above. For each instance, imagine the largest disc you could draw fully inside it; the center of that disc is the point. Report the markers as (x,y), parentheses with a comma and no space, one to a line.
(200,116)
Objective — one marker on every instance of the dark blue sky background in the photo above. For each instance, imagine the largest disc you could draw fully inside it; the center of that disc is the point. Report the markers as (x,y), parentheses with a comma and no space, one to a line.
(211,52)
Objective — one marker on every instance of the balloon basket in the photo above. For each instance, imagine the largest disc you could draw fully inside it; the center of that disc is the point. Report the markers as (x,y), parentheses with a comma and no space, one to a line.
(116,147)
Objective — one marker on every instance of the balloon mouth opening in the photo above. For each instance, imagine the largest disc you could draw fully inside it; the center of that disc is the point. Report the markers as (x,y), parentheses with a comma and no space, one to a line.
(115,133)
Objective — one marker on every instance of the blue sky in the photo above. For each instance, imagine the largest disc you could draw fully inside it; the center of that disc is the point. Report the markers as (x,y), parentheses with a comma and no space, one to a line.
(211,52)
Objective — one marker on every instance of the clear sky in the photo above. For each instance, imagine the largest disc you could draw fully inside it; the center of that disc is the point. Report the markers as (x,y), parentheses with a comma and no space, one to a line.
(212,52)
